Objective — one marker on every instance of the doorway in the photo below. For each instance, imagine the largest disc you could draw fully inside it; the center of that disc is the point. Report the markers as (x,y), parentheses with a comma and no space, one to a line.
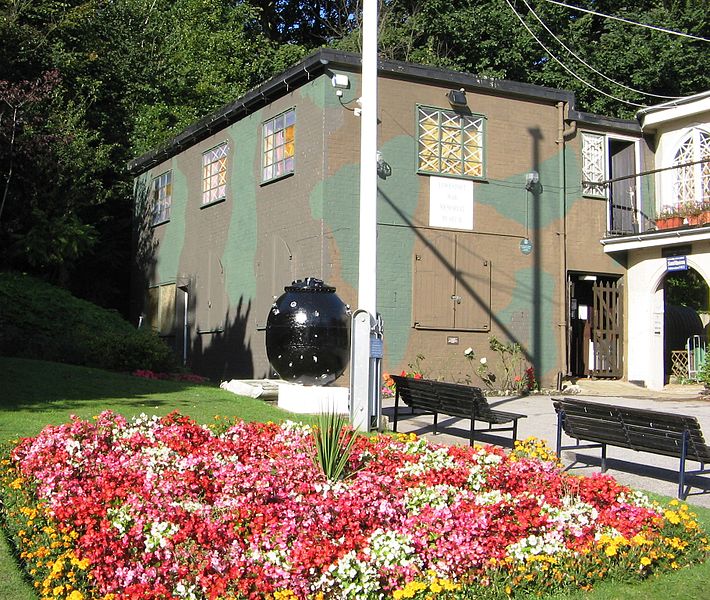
(596,325)
(685,318)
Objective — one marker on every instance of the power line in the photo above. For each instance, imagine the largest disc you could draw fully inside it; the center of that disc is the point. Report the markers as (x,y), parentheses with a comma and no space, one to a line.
(566,68)
(580,59)
(598,14)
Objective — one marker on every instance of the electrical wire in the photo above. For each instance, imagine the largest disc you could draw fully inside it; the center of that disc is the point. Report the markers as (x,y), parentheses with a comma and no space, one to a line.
(598,14)
(566,68)
(580,59)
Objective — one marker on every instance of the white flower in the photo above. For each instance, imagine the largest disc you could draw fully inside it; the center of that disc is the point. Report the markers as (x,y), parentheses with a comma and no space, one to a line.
(468,351)
(484,360)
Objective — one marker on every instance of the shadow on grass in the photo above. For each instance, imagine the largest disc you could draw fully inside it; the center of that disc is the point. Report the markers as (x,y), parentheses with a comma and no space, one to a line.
(33,385)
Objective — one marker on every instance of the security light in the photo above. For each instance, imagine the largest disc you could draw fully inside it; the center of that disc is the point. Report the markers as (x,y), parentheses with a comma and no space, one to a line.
(531,180)
(457,98)
(339,80)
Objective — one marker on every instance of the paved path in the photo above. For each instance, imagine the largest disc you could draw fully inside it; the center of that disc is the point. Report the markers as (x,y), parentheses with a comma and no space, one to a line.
(639,470)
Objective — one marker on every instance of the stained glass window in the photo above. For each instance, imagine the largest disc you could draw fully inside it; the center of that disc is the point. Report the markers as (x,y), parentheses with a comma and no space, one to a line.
(593,165)
(161,192)
(450,143)
(214,174)
(692,181)
(278,147)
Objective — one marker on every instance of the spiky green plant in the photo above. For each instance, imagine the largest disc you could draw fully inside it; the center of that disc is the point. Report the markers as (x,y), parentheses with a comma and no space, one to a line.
(334,444)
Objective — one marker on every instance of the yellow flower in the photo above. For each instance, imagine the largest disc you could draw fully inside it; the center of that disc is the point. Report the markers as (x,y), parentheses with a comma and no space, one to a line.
(672,517)
(610,550)
(76,595)
(645,561)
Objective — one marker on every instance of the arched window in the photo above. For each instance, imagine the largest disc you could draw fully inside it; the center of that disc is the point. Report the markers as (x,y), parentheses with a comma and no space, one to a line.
(692,181)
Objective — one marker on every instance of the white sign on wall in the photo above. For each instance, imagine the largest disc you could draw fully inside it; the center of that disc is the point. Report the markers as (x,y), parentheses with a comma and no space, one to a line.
(450,203)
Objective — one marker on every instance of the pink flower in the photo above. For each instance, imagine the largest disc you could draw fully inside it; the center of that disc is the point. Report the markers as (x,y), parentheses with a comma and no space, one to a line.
(162,503)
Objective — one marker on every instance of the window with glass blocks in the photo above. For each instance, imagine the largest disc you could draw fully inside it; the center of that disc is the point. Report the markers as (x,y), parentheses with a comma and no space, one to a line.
(450,143)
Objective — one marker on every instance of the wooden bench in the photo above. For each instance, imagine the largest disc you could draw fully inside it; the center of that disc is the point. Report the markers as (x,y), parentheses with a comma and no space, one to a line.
(668,434)
(452,399)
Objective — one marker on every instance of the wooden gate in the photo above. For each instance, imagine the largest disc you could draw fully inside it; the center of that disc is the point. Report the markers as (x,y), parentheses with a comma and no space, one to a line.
(607,330)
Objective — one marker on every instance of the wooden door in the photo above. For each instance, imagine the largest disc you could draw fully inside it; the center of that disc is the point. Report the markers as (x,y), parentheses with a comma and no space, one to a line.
(607,330)
(472,287)
(434,268)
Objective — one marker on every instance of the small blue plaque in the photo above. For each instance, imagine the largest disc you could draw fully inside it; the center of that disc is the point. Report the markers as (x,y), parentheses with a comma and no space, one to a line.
(376,348)
(676,263)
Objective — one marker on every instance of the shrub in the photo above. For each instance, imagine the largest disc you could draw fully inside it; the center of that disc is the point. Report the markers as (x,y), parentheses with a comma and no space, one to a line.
(704,373)
(333,445)
(41,321)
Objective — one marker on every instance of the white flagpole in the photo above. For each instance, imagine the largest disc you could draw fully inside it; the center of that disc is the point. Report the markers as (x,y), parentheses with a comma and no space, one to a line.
(364,386)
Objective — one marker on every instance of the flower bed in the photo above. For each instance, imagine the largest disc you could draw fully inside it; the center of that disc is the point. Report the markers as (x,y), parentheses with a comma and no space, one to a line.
(166,508)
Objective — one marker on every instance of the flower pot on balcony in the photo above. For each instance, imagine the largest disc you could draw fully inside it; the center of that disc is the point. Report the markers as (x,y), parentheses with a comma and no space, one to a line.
(669,222)
(694,219)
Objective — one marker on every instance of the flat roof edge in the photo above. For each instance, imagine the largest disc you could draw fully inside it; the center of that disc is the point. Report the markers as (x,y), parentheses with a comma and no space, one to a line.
(317,62)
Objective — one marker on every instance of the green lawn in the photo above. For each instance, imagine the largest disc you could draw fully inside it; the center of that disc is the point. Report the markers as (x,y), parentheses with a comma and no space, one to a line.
(36,393)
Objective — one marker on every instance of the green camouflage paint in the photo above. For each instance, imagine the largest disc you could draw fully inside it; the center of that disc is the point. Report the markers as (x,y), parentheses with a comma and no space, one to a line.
(525,297)
(240,250)
(398,195)
(167,258)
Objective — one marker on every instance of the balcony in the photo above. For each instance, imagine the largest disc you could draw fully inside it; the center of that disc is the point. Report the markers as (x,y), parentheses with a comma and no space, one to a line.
(683,214)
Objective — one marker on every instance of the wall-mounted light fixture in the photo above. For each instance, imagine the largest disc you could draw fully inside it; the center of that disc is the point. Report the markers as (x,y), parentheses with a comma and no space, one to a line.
(340,80)
(457,98)
(531,180)
(384,170)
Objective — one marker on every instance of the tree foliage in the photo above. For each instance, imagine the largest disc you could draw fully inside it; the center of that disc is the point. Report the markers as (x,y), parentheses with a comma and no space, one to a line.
(126,75)
(517,39)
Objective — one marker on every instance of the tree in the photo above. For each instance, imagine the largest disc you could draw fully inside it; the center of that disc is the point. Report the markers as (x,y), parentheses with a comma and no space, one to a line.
(497,39)
(133,73)
(39,211)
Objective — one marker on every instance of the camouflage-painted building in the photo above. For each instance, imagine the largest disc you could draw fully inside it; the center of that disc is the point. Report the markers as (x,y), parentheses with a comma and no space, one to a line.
(490,215)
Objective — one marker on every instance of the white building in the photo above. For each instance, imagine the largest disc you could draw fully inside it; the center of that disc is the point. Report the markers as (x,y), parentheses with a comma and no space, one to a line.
(679,134)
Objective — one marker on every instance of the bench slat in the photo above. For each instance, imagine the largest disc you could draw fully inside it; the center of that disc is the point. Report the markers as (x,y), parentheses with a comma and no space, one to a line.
(452,399)
(638,429)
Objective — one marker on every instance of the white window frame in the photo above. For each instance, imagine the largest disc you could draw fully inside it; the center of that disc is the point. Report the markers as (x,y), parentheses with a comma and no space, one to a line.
(277,159)
(445,155)
(214,174)
(161,191)
(594,174)
(691,183)
(595,164)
